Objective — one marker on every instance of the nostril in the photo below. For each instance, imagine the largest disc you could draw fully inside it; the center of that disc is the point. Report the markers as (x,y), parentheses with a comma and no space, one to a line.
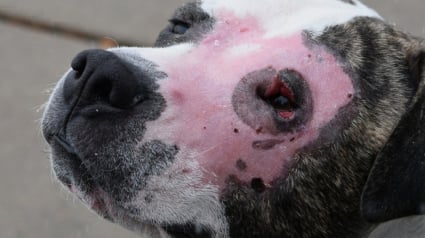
(79,63)
(102,77)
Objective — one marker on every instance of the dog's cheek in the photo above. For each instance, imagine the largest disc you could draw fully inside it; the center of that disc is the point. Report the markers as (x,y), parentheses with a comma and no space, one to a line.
(200,116)
(179,196)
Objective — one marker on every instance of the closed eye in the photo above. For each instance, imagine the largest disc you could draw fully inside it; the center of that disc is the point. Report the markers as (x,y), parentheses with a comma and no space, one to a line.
(179,27)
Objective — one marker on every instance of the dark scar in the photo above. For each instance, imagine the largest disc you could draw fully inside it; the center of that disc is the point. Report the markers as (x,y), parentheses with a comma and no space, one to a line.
(266,144)
(258,185)
(241,165)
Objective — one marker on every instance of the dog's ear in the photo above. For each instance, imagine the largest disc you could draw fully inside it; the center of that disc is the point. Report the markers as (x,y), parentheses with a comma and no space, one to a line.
(396,184)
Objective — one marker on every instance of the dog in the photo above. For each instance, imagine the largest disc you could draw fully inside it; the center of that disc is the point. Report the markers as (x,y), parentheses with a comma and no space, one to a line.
(273,118)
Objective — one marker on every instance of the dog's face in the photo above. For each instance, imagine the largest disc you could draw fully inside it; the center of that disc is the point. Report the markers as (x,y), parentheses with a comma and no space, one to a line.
(249,119)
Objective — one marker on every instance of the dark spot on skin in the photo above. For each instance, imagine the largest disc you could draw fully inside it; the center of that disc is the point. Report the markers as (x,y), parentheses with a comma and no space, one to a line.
(186,171)
(236,130)
(258,185)
(205,127)
(266,144)
(259,130)
(292,139)
(232,180)
(350,95)
(241,165)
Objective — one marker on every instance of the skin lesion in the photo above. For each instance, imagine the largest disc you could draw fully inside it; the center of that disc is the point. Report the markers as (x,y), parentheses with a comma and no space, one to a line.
(241,165)
(266,144)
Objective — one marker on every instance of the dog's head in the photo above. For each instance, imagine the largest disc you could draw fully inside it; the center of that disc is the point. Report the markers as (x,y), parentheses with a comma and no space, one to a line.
(249,119)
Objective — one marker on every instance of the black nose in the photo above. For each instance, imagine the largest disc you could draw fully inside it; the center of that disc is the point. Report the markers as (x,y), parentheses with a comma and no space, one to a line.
(101,77)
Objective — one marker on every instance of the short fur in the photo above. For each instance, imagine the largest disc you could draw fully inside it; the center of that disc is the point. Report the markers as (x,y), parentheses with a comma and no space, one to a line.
(366,167)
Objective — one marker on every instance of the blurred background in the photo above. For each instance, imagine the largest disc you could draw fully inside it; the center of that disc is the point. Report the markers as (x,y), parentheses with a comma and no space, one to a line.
(32,59)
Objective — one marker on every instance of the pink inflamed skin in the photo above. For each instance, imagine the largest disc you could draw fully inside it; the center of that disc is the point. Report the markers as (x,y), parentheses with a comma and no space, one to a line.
(212,86)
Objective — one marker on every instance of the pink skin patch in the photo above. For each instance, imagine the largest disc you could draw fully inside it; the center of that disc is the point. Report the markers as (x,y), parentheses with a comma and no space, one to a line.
(200,118)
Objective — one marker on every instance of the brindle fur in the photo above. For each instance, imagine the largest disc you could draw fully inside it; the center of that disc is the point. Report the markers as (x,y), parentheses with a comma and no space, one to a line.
(321,195)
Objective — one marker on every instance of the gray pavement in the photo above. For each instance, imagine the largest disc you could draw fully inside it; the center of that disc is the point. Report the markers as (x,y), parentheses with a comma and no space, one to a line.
(32,204)
(137,20)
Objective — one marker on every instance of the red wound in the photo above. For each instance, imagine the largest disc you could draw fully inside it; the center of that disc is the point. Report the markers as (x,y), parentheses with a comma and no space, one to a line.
(286,114)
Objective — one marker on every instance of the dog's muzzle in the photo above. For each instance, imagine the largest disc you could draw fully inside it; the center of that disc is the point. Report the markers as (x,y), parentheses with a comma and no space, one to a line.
(98,109)
(102,80)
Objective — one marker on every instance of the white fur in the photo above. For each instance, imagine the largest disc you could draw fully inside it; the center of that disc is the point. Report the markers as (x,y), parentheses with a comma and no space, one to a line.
(181,199)
(157,55)
(285,17)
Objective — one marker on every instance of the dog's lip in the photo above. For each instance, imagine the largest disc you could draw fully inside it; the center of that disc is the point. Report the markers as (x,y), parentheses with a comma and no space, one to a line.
(99,204)
(95,198)
(62,150)
(60,139)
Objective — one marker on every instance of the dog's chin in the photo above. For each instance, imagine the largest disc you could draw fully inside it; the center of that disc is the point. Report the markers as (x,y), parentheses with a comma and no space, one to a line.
(73,175)
(79,183)
(99,202)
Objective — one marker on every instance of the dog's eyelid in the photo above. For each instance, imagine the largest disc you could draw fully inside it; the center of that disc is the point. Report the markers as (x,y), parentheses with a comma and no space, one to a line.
(179,27)
(190,14)
(178,21)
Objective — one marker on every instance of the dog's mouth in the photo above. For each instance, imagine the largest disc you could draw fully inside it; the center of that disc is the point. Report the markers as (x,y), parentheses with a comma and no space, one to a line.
(77,178)
(60,139)
(68,165)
